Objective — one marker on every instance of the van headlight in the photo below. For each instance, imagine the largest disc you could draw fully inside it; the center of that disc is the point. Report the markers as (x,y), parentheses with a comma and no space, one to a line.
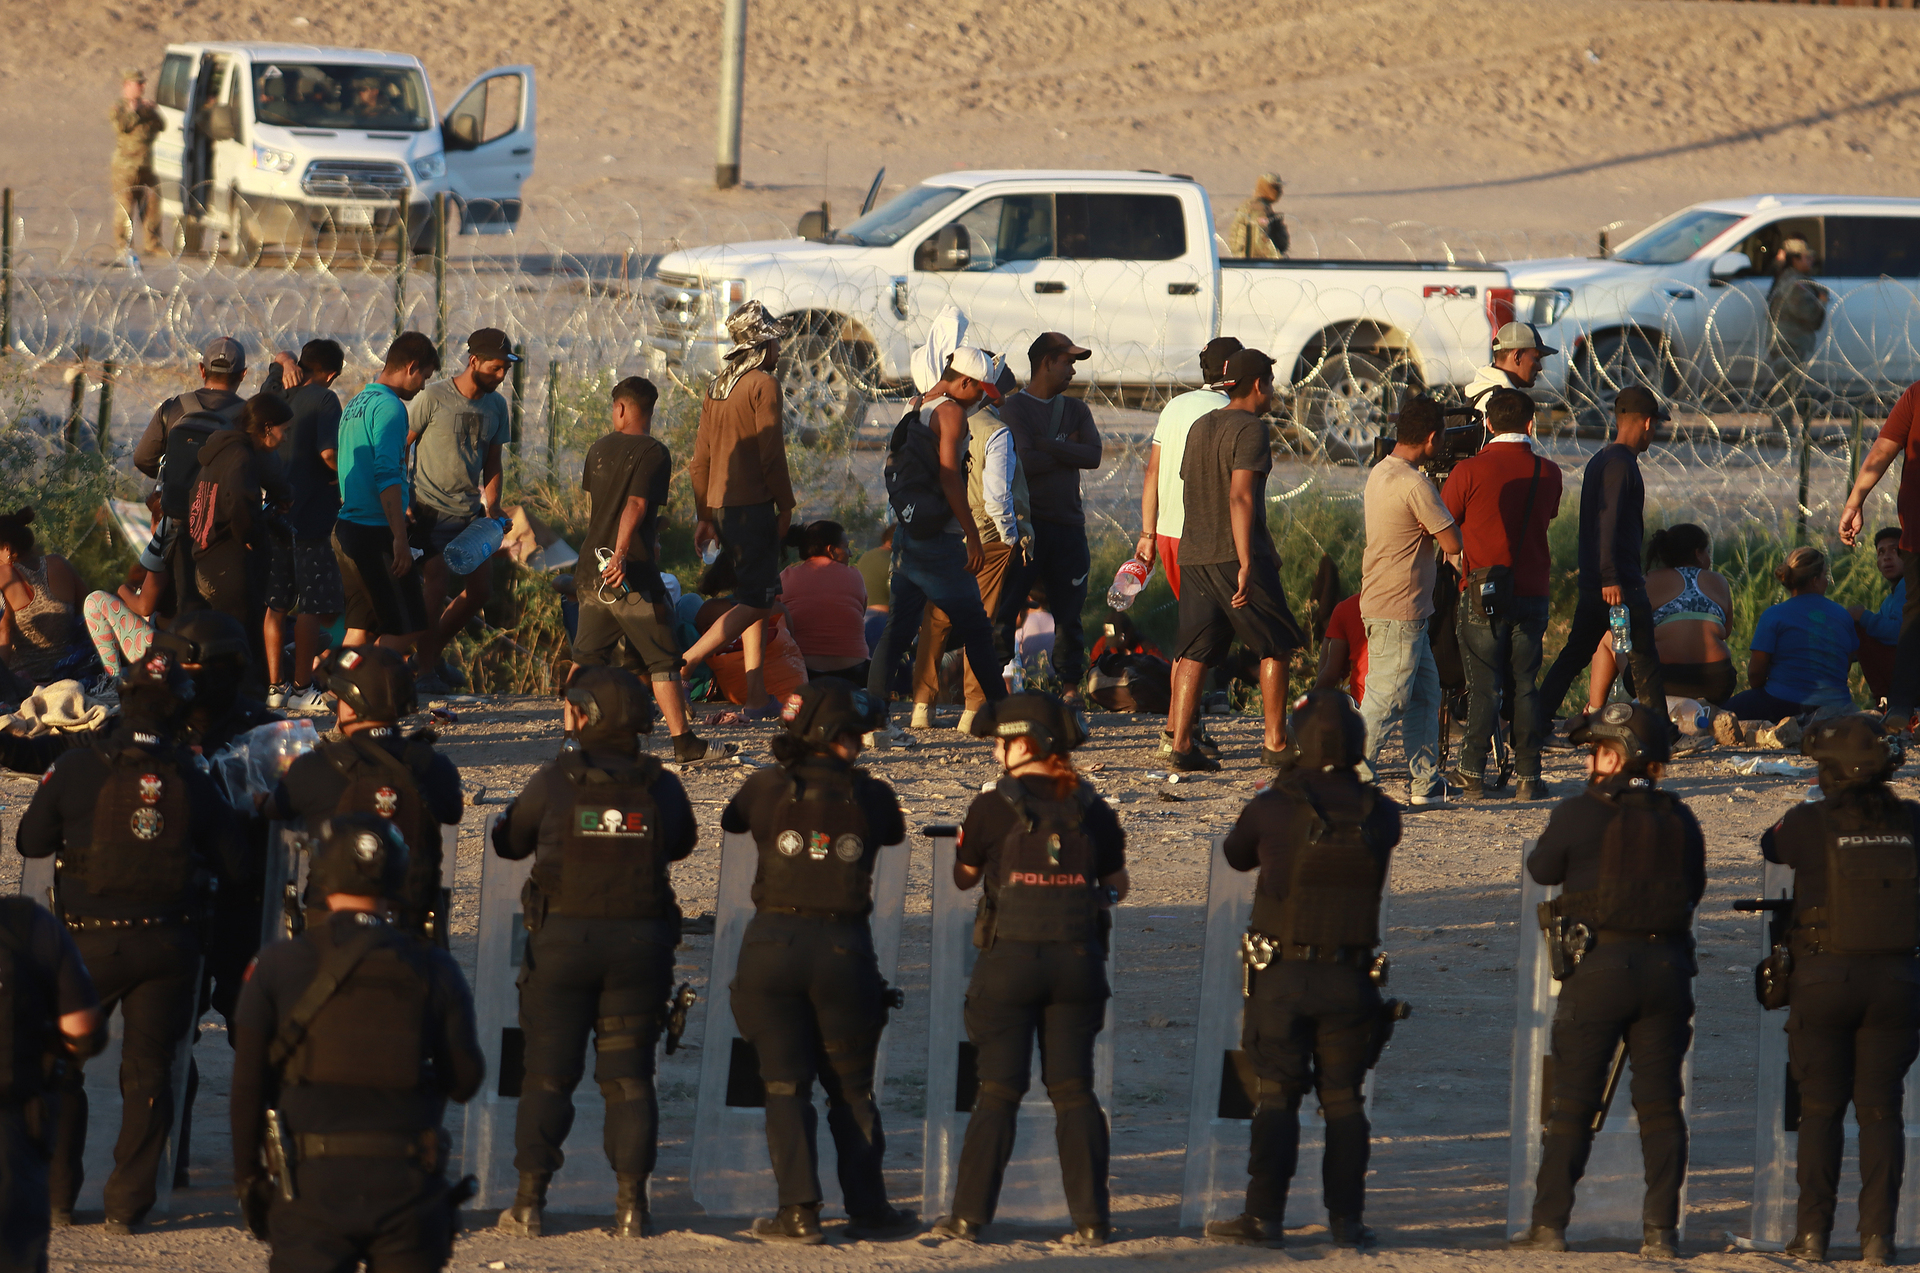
(267,159)
(430,167)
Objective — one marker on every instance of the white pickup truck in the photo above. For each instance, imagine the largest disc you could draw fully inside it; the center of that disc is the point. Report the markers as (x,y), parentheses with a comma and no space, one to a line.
(1682,306)
(1124,262)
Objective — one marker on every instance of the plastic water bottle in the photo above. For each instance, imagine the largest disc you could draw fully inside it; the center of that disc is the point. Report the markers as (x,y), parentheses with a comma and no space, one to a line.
(1689,717)
(472,546)
(1014,675)
(1622,632)
(1127,583)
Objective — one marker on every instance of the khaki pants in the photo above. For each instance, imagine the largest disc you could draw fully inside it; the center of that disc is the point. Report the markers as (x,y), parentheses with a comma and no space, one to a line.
(933,631)
(136,197)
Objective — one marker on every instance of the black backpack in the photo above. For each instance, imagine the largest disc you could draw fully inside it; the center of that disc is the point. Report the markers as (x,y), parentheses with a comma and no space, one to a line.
(180,464)
(913,478)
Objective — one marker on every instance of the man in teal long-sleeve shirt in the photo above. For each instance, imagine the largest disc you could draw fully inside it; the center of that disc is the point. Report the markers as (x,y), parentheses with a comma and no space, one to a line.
(370,538)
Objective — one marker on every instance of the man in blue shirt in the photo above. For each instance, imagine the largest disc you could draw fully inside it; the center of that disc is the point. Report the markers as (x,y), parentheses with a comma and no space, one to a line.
(370,538)
(1879,630)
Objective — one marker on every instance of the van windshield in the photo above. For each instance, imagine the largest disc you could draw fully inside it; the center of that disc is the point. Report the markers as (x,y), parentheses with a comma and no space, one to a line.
(1676,238)
(883,226)
(384,99)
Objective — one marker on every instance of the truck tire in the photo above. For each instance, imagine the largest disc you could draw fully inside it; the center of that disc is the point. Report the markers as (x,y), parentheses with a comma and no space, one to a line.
(1612,362)
(822,389)
(1343,404)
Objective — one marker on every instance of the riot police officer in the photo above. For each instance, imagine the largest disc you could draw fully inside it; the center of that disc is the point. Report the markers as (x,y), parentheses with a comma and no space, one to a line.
(51,1020)
(1314,1022)
(366,765)
(1053,859)
(1854,1025)
(603,823)
(1633,864)
(349,1040)
(808,993)
(141,835)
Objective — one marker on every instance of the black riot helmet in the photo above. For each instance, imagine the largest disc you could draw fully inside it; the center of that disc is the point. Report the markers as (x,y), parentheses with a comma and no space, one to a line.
(370,679)
(1640,734)
(1327,732)
(1852,751)
(216,644)
(1053,728)
(614,708)
(154,692)
(362,854)
(823,710)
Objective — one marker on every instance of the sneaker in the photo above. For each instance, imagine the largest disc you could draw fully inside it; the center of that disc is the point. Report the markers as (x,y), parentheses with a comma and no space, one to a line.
(305,698)
(966,720)
(922,716)
(1247,1230)
(796,1224)
(277,695)
(431,684)
(1193,762)
(1201,742)
(1438,800)
(897,1223)
(1532,789)
(1285,758)
(890,737)
(954,1229)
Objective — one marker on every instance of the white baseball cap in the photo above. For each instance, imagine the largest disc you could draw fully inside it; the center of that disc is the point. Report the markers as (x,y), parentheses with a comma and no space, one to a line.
(976,364)
(1521,336)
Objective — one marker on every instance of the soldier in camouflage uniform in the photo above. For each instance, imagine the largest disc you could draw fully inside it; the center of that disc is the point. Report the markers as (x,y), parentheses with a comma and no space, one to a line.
(136,192)
(1796,311)
(1259,233)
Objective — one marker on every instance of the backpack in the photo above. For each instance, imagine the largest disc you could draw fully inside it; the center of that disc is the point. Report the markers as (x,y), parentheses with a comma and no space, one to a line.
(180,463)
(913,478)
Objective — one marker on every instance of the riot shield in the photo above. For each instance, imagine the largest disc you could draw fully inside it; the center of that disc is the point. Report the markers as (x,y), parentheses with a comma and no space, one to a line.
(732,1175)
(1031,1192)
(1608,1201)
(1220,1113)
(102,1080)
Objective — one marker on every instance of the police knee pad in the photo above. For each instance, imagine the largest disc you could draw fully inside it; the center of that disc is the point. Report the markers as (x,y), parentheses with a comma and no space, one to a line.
(1073,1093)
(1663,1115)
(788,1088)
(1873,1113)
(1814,1108)
(621,1090)
(616,1034)
(1003,1095)
(1273,1095)
(553,1083)
(1571,1118)
(1342,1102)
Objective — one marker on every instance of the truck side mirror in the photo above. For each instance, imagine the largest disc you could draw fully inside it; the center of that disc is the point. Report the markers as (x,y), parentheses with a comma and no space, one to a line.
(813,225)
(948,251)
(1729,265)
(220,123)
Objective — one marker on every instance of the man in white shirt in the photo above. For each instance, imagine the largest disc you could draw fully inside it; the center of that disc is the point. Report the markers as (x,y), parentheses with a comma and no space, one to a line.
(1517,355)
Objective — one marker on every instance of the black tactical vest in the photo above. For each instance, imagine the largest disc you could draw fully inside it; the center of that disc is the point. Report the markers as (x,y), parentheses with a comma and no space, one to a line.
(373,1031)
(1873,884)
(1643,882)
(1334,879)
(1045,869)
(380,782)
(603,857)
(140,845)
(26,1007)
(819,858)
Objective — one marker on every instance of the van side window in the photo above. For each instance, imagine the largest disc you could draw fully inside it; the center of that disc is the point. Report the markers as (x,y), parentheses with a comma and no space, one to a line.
(486,112)
(1760,245)
(176,74)
(1017,227)
(1122,227)
(1868,247)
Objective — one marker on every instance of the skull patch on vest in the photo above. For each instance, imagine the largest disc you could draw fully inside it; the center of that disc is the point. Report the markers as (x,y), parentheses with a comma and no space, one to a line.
(150,788)
(848,847)
(386,802)
(789,843)
(147,824)
(612,822)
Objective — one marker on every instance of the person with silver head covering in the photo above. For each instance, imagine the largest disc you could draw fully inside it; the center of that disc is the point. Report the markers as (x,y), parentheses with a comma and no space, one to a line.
(742,492)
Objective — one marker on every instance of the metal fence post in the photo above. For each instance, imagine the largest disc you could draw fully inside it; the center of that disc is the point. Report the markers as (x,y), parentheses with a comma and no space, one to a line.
(402,249)
(1806,478)
(553,410)
(1853,449)
(6,270)
(519,401)
(102,438)
(76,400)
(733,71)
(440,275)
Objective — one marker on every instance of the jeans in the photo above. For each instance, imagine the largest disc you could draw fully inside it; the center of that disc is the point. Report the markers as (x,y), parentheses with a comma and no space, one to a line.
(1590,622)
(935,569)
(1404,683)
(1060,561)
(1493,652)
(1905,692)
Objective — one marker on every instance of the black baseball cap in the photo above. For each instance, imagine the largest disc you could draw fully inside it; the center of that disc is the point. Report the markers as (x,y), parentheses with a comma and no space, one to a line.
(489,344)
(1218,352)
(1047,344)
(1247,368)
(1639,400)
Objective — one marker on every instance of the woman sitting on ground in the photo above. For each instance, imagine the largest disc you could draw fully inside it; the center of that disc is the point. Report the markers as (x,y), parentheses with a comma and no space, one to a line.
(42,596)
(826,601)
(1801,647)
(1691,603)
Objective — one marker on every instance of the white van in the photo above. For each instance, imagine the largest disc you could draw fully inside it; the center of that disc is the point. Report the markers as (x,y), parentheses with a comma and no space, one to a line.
(279,144)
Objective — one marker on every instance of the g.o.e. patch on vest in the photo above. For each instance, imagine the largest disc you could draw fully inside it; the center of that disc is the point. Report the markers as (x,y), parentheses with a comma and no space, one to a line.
(600,821)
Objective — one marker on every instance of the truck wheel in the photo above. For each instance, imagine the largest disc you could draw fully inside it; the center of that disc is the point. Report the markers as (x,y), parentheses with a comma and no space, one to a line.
(1344,403)
(822,389)
(1613,362)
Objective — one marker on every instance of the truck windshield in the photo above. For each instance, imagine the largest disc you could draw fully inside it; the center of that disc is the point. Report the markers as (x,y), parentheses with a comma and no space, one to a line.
(1677,238)
(884,226)
(382,99)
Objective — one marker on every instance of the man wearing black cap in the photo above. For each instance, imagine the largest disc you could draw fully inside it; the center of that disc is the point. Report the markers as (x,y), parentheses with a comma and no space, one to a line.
(1163,509)
(456,430)
(1612,502)
(1230,567)
(349,1041)
(223,365)
(1634,866)
(1055,437)
(604,824)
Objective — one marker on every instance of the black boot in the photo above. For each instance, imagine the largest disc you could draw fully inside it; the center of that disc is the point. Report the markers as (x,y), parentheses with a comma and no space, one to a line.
(1348,1231)
(1247,1230)
(1657,1243)
(528,1213)
(887,1226)
(1877,1249)
(800,1224)
(1539,1237)
(1811,1247)
(630,1216)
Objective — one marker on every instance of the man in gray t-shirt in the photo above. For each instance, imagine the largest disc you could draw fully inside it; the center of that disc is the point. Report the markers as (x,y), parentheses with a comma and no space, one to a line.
(456,432)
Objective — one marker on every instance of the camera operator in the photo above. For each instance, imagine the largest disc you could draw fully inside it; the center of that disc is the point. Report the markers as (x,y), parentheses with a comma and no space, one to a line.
(1517,355)
(1405,518)
(1503,499)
